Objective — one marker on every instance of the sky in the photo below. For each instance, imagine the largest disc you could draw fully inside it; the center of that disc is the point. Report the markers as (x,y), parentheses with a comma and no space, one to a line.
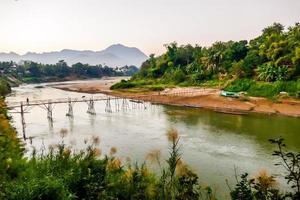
(53,25)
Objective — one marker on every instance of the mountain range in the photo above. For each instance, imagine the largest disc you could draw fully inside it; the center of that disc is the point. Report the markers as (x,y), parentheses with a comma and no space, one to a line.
(116,55)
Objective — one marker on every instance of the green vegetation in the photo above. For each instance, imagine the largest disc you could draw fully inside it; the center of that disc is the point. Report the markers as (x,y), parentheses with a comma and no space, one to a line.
(65,174)
(264,89)
(4,87)
(262,187)
(146,85)
(269,62)
(31,72)
(62,173)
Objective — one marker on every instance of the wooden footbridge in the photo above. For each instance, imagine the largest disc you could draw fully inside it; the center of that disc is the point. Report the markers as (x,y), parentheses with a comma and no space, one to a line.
(111,104)
(49,103)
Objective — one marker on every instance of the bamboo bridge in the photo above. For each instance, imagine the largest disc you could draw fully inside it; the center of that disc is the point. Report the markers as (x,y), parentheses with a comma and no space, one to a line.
(111,104)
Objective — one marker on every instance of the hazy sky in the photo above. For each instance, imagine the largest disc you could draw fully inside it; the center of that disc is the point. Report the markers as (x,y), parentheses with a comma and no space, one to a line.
(49,25)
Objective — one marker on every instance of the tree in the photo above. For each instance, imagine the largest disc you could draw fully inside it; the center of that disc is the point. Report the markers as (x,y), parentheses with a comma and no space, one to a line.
(34,69)
(291,162)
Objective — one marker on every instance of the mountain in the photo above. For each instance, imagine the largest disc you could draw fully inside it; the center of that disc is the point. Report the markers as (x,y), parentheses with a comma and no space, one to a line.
(116,55)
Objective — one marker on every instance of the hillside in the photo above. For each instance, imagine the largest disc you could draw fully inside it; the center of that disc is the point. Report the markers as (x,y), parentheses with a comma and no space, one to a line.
(264,66)
(116,55)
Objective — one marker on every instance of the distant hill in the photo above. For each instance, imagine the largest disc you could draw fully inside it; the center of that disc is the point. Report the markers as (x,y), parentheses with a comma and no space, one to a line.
(116,55)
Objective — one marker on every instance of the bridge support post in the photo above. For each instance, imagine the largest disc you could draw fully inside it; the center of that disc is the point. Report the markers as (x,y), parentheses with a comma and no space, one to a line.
(70,109)
(134,105)
(23,121)
(91,107)
(108,106)
(117,106)
(125,105)
(49,111)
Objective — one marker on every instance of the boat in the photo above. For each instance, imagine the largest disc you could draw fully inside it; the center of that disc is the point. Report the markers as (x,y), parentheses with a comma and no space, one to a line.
(229,94)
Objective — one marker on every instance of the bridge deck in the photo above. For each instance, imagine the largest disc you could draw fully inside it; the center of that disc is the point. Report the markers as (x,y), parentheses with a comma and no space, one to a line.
(187,93)
(58,101)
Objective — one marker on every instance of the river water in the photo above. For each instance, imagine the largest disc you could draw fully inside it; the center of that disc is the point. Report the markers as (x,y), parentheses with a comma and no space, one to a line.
(212,144)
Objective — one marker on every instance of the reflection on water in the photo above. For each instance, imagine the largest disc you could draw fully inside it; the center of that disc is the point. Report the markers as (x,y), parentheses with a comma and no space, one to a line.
(259,126)
(212,143)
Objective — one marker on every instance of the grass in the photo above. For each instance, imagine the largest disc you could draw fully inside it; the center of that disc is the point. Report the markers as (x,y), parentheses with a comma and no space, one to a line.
(252,88)
(139,86)
(265,89)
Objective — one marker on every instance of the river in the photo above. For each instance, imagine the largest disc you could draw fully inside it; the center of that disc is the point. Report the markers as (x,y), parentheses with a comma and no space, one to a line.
(212,144)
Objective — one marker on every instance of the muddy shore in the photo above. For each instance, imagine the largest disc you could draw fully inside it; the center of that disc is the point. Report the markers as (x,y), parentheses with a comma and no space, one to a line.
(193,97)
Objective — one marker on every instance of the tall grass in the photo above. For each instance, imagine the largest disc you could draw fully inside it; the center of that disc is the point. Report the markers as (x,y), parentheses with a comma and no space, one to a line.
(63,173)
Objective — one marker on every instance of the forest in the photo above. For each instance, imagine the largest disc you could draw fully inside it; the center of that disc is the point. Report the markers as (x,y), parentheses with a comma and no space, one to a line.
(263,66)
(32,72)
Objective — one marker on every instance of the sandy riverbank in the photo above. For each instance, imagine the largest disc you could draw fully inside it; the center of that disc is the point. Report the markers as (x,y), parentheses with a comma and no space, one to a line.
(193,97)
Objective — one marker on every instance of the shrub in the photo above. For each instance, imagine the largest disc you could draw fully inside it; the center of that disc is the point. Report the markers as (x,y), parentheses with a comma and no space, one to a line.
(199,77)
(270,90)
(48,188)
(238,69)
(261,89)
(4,87)
(239,85)
(123,85)
(62,174)
(260,187)
(269,72)
(177,76)
(291,162)
(11,150)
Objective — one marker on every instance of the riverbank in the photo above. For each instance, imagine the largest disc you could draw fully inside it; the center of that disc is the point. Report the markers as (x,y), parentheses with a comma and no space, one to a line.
(207,98)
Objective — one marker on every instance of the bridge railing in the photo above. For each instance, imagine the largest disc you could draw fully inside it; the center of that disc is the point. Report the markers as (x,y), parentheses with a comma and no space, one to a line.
(180,92)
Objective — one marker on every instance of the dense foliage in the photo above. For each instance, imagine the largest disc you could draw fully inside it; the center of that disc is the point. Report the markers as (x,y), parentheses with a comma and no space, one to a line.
(11,150)
(4,87)
(35,72)
(65,174)
(274,56)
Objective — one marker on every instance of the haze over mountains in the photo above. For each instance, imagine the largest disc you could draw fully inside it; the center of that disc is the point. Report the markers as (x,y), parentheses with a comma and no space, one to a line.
(116,55)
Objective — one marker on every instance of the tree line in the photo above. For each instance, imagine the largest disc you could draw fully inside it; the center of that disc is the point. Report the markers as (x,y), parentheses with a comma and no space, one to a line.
(274,55)
(271,57)
(29,71)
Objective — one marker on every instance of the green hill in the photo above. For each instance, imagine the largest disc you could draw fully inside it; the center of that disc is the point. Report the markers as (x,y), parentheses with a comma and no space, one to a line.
(253,66)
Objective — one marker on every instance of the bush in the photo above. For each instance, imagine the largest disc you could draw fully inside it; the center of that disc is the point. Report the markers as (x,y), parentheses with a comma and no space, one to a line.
(174,76)
(199,77)
(62,174)
(268,72)
(123,85)
(291,87)
(270,90)
(4,87)
(11,150)
(48,188)
(262,89)
(239,85)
